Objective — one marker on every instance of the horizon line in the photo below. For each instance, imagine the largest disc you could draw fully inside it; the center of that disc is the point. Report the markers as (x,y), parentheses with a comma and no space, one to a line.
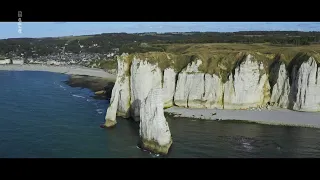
(156,33)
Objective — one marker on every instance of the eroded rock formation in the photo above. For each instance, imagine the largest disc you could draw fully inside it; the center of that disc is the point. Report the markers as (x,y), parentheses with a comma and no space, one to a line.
(251,83)
(154,130)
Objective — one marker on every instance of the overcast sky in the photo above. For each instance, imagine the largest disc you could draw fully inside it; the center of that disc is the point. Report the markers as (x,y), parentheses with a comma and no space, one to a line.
(54,29)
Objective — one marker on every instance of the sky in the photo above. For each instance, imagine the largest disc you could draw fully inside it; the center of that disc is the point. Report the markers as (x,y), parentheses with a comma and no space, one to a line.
(56,29)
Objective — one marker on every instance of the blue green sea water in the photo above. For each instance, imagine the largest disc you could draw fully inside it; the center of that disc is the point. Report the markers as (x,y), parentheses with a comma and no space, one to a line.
(42,117)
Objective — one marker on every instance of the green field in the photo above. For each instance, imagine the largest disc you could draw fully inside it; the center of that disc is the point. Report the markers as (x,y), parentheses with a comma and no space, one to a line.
(222,58)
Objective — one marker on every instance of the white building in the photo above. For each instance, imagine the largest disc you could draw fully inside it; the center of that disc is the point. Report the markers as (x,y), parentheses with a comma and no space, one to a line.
(5,61)
(30,60)
(63,63)
(37,62)
(72,62)
(110,55)
(52,62)
(16,61)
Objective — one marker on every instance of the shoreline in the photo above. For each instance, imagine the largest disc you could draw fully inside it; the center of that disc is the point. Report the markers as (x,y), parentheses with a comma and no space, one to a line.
(69,70)
(95,84)
(276,116)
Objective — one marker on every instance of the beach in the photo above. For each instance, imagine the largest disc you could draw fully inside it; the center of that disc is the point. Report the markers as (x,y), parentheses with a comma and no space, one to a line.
(70,70)
(275,116)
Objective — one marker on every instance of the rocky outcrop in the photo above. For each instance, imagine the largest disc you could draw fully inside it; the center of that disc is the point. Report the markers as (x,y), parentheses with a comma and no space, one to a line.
(154,130)
(113,107)
(305,87)
(120,97)
(144,77)
(248,86)
(279,80)
(138,93)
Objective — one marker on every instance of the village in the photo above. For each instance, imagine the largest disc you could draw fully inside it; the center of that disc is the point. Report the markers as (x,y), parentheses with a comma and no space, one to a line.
(11,61)
(59,59)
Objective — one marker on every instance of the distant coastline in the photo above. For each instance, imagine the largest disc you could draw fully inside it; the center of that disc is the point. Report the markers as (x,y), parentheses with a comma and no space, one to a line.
(70,70)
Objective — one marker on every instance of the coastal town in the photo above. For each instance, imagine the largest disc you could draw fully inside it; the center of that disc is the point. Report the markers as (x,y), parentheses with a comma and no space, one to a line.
(92,60)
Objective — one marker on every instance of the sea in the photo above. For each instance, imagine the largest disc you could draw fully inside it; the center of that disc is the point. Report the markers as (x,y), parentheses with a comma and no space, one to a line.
(42,117)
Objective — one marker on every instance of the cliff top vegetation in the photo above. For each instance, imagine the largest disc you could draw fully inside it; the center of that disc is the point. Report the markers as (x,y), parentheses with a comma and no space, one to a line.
(222,58)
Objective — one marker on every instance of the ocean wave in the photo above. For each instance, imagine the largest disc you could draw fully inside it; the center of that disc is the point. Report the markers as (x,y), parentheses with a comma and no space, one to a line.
(99,111)
(62,87)
(77,96)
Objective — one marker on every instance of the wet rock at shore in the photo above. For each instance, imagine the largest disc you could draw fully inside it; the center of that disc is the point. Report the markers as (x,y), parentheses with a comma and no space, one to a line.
(96,84)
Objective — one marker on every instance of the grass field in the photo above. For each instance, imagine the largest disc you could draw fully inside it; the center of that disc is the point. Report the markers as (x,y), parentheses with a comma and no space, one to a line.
(267,50)
(222,58)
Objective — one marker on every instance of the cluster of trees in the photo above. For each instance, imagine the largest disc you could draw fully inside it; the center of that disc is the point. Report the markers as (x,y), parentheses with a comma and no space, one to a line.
(133,42)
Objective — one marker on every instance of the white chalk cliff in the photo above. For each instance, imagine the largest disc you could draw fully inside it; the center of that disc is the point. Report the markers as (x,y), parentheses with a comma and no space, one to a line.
(247,87)
(281,88)
(142,91)
(213,92)
(144,77)
(306,86)
(120,96)
(154,129)
(169,86)
(190,86)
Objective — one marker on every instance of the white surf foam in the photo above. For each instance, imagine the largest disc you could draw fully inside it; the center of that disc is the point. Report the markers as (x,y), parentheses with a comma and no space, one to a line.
(99,111)
(77,96)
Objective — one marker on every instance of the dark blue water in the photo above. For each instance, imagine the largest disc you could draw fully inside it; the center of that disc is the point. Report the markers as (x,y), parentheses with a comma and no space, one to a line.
(40,116)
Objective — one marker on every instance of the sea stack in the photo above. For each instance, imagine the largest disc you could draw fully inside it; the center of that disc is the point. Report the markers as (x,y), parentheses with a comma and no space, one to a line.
(154,130)
(112,109)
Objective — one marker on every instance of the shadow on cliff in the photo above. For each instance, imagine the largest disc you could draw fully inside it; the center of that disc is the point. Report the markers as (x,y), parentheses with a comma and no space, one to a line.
(292,67)
(135,110)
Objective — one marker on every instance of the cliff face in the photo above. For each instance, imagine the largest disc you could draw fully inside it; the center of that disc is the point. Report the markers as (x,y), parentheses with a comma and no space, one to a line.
(138,93)
(251,83)
(281,86)
(190,86)
(120,96)
(144,77)
(154,130)
(305,87)
(213,92)
(169,86)
(247,86)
